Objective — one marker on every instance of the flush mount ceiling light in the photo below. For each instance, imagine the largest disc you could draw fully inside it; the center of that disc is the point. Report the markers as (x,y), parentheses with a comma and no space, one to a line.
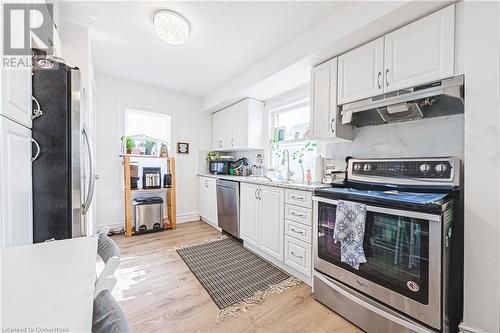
(172,27)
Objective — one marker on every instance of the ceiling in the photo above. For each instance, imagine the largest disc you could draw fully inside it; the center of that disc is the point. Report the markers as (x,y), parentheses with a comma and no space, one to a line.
(226,38)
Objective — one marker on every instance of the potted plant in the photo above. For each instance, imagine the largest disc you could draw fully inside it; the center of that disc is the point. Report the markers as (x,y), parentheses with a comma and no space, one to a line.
(212,156)
(129,143)
(148,146)
(298,155)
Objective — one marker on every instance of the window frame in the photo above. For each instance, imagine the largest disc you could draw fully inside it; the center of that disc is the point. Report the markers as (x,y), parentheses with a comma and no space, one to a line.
(296,98)
(139,110)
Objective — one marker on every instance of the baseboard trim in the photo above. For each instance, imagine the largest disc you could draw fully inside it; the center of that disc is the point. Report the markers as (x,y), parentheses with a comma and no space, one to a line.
(181,218)
(188,217)
(466,329)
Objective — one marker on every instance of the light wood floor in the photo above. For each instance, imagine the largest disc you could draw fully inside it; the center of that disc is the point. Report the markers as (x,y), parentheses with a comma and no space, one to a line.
(159,293)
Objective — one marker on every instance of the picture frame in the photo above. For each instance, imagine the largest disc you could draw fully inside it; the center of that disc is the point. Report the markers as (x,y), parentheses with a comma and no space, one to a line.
(182,148)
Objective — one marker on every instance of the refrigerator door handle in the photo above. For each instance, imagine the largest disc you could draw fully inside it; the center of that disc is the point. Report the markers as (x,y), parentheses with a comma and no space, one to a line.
(90,192)
(33,158)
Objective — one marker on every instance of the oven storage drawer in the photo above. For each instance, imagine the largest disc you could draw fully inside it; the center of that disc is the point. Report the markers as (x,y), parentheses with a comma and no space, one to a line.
(299,198)
(349,303)
(299,231)
(298,255)
(298,214)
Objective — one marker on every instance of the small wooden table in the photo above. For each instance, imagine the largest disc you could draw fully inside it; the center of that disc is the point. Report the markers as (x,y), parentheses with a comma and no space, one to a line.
(49,285)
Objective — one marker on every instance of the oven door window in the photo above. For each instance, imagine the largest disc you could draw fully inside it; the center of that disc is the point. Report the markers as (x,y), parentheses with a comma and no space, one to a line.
(396,249)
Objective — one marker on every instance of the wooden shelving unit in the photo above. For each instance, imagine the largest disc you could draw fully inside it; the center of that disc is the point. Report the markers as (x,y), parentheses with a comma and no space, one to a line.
(170,203)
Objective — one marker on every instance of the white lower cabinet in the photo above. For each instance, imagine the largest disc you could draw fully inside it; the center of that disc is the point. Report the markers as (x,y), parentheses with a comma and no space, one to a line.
(298,255)
(271,220)
(273,227)
(261,218)
(16,207)
(207,200)
(249,214)
(298,230)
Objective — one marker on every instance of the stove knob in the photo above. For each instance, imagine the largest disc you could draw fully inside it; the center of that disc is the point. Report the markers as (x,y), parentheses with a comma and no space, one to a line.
(441,168)
(367,167)
(425,167)
(357,166)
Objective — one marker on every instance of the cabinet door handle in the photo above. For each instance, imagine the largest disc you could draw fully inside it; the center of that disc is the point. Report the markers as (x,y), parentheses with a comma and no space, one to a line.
(206,183)
(296,256)
(332,123)
(256,190)
(300,232)
(37,150)
(260,191)
(232,142)
(35,113)
(297,214)
(297,197)
(220,143)
(378,80)
(387,77)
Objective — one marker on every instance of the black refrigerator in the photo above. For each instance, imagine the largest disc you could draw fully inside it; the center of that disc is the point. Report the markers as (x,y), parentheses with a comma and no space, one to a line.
(63,171)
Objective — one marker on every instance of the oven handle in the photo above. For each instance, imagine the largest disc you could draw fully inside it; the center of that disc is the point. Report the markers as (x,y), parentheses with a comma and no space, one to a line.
(390,211)
(372,308)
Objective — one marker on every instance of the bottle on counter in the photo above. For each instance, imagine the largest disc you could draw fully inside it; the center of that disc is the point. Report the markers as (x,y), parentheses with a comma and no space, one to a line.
(309,176)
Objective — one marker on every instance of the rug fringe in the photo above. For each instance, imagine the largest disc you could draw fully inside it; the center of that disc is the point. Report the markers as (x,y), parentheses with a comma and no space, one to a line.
(257,298)
(210,240)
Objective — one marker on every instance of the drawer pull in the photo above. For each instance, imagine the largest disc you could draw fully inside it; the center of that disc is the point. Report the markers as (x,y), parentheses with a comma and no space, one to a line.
(297,197)
(297,214)
(296,256)
(300,232)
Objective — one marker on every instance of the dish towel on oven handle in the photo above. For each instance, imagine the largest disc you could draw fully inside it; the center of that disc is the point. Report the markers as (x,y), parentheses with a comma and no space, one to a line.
(350,231)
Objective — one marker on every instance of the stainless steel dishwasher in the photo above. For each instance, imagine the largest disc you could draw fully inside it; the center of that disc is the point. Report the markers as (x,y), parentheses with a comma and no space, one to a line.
(228,206)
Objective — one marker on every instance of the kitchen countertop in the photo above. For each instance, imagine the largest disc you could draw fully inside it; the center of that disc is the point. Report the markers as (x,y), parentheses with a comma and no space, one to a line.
(264,181)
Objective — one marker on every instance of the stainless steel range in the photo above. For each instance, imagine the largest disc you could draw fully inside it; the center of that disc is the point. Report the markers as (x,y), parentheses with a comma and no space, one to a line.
(412,278)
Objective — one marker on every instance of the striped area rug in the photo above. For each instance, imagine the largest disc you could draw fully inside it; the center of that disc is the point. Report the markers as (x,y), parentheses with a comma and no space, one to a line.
(235,278)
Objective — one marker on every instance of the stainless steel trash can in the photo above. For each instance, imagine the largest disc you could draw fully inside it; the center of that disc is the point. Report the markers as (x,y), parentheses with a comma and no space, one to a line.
(148,214)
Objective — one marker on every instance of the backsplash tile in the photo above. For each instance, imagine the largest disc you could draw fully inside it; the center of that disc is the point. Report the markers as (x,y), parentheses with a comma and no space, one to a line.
(443,136)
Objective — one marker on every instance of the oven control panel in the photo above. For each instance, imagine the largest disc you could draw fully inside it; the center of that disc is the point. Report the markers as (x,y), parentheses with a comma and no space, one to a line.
(411,169)
(405,171)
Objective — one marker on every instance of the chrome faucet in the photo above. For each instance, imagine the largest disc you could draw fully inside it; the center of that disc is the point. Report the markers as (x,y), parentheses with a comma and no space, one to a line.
(286,155)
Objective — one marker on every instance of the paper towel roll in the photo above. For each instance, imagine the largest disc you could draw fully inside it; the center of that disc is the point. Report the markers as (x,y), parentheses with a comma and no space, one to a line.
(319,169)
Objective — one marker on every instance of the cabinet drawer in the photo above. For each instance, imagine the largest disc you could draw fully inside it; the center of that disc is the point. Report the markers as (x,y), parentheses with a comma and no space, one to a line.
(298,255)
(299,198)
(298,231)
(298,214)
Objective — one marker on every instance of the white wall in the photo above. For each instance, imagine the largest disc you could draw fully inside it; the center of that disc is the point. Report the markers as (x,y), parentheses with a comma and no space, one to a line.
(350,24)
(479,37)
(189,124)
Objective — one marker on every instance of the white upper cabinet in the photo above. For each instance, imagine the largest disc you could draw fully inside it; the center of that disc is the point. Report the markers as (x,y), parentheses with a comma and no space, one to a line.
(325,121)
(217,125)
(361,72)
(239,126)
(421,52)
(17,95)
(418,53)
(16,219)
(322,78)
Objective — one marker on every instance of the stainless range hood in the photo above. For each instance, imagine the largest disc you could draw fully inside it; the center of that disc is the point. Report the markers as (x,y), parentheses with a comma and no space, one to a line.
(436,99)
